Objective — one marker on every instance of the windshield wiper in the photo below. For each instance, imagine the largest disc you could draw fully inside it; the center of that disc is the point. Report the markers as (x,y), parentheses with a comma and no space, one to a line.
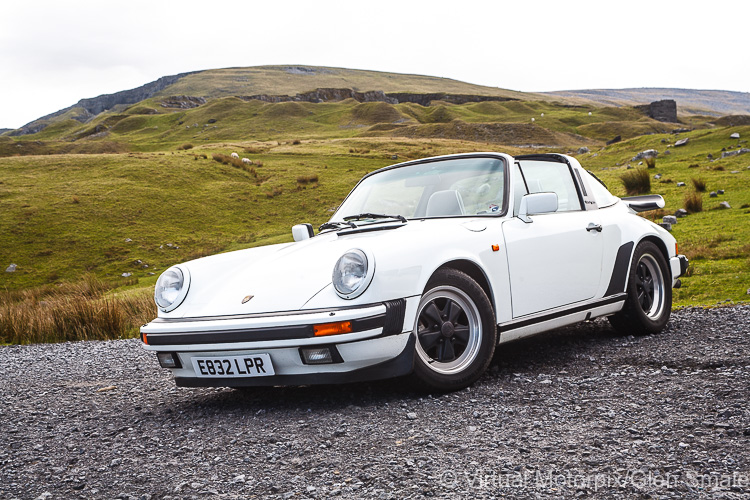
(336,225)
(368,215)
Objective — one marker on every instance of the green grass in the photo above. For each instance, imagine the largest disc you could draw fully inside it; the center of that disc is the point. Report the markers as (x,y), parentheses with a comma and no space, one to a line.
(67,215)
(717,241)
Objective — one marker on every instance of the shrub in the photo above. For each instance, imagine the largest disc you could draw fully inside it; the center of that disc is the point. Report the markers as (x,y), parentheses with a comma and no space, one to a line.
(296,142)
(699,184)
(636,181)
(693,202)
(276,191)
(307,179)
(650,161)
(76,200)
(717,168)
(185,146)
(693,165)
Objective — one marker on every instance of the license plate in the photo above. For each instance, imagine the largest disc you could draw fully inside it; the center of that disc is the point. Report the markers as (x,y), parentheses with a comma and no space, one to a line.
(250,365)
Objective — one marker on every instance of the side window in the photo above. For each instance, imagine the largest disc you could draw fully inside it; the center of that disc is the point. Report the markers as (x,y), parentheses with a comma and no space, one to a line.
(551,177)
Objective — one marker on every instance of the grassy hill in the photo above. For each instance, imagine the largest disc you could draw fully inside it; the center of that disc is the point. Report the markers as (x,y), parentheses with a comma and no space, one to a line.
(291,80)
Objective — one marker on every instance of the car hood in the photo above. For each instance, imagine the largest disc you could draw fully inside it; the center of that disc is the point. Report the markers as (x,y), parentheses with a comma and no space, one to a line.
(286,277)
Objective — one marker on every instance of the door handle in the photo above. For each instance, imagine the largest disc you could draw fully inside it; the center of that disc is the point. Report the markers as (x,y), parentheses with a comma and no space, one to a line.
(594,227)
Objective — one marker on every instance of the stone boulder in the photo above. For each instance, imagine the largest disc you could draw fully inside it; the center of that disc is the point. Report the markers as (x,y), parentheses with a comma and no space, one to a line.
(645,154)
(663,111)
(614,140)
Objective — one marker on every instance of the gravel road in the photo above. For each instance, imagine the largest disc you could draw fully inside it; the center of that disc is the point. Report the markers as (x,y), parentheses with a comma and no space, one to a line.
(578,412)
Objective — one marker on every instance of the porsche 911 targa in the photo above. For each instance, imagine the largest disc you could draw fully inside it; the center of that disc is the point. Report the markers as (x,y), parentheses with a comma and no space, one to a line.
(425,268)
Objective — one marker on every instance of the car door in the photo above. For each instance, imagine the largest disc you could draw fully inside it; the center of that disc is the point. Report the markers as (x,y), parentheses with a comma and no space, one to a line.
(555,259)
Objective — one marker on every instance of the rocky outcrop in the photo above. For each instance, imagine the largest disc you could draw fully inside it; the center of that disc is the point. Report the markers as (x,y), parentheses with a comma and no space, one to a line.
(89,108)
(326,94)
(183,102)
(663,111)
(426,99)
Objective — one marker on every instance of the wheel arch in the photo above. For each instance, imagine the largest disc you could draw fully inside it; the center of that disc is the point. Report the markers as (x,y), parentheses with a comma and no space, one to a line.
(660,245)
(476,273)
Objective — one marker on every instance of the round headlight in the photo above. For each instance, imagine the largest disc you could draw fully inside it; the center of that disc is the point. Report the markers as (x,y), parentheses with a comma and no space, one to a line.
(171,288)
(353,273)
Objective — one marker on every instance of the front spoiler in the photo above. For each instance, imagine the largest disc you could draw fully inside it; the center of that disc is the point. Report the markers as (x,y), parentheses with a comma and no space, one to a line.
(403,364)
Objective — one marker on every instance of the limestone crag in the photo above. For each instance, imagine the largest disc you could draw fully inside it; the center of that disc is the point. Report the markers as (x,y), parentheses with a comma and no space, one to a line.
(328,94)
(85,109)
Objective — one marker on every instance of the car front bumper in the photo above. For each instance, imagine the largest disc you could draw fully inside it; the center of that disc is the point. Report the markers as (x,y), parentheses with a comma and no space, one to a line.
(678,265)
(380,345)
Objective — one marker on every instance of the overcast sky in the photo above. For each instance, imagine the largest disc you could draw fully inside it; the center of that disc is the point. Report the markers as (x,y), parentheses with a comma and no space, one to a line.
(53,53)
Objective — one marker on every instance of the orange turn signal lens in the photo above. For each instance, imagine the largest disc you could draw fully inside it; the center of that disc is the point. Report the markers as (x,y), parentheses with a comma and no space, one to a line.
(495,248)
(145,339)
(332,328)
(676,250)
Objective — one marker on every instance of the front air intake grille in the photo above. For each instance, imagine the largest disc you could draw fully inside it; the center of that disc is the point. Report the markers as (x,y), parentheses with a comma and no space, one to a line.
(394,316)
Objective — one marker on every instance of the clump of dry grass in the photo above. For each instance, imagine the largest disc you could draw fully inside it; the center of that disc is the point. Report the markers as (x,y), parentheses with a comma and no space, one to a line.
(650,161)
(307,179)
(636,181)
(654,215)
(693,202)
(71,311)
(699,185)
(185,146)
(275,192)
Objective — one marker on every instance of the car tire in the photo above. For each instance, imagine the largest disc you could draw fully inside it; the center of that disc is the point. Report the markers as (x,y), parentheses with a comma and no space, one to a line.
(455,332)
(649,293)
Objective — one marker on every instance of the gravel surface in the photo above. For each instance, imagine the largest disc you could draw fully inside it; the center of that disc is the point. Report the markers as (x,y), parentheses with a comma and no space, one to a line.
(578,412)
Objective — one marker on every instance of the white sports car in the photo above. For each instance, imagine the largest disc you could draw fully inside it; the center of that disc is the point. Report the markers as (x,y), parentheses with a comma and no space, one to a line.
(424,269)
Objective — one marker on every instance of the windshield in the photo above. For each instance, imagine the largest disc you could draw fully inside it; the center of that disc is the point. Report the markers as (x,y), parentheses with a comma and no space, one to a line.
(444,188)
